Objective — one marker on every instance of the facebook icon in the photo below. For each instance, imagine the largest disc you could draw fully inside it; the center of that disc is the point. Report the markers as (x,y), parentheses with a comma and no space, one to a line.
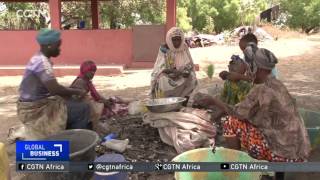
(22,166)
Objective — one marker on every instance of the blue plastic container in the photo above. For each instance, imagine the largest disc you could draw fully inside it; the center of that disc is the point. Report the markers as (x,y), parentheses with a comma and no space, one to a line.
(82,24)
(110,175)
(109,137)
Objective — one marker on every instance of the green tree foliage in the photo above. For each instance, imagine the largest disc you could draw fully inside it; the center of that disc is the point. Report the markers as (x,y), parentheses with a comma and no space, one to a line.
(152,11)
(250,9)
(228,14)
(10,20)
(126,13)
(183,21)
(113,14)
(200,15)
(209,28)
(303,15)
(220,15)
(72,12)
(110,14)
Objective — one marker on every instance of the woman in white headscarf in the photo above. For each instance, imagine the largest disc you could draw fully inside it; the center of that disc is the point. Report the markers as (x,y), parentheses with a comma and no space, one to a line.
(173,73)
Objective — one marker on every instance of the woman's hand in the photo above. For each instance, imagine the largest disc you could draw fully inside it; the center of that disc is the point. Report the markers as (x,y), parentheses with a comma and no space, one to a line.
(207,101)
(108,102)
(233,76)
(167,71)
(185,73)
(224,75)
(203,100)
(173,75)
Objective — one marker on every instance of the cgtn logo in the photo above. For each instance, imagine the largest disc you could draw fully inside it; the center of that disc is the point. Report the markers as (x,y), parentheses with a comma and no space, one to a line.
(42,150)
(29,13)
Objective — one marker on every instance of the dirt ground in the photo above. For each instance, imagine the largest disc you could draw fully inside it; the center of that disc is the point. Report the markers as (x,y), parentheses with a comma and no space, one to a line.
(298,69)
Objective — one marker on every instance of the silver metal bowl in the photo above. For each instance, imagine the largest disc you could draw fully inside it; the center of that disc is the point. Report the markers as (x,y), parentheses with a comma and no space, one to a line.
(164,104)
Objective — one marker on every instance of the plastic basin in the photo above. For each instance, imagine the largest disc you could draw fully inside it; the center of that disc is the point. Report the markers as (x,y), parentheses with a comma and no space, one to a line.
(312,122)
(221,155)
(110,175)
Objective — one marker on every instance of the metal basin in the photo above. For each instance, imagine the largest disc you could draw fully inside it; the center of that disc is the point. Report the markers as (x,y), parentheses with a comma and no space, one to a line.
(164,104)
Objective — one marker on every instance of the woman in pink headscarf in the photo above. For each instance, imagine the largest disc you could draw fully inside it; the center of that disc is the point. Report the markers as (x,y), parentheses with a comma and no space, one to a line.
(112,107)
(173,73)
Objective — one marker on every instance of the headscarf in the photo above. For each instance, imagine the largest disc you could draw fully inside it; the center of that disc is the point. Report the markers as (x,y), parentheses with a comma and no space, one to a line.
(89,66)
(174,32)
(237,58)
(265,59)
(259,58)
(249,55)
(48,36)
(179,54)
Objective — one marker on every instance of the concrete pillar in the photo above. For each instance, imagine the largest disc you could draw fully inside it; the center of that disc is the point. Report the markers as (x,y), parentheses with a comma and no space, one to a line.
(171,14)
(95,14)
(55,13)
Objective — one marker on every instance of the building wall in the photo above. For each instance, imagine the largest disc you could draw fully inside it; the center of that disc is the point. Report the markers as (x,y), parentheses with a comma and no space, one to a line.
(102,46)
(146,42)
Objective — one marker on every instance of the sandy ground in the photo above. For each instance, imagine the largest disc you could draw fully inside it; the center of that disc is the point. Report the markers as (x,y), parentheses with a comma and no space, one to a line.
(299,69)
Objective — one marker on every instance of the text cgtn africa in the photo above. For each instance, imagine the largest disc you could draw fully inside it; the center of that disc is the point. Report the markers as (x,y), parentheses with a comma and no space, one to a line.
(178,166)
(48,167)
(29,13)
(38,150)
(240,166)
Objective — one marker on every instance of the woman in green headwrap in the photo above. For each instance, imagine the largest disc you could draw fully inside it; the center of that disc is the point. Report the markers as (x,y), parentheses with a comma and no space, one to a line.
(42,106)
